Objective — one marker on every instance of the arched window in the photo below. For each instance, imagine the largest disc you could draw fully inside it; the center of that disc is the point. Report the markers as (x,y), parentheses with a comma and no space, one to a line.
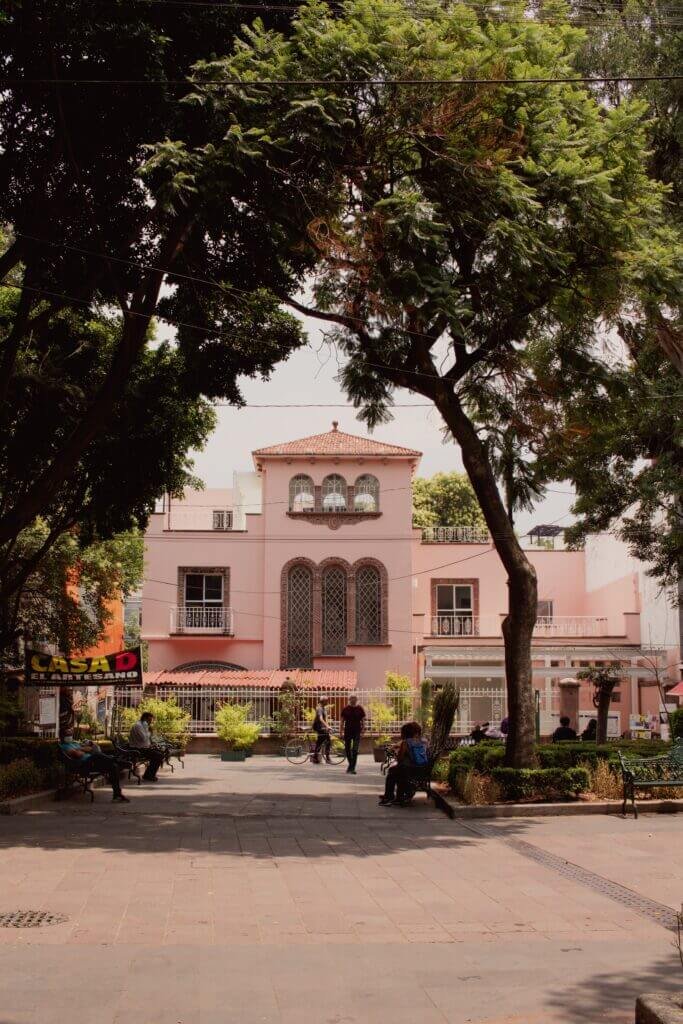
(299,617)
(366,494)
(334,493)
(368,605)
(301,493)
(334,610)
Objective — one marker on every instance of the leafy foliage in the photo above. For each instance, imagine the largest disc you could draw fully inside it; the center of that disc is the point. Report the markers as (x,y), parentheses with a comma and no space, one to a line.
(444,707)
(20,777)
(445,499)
(233,726)
(403,688)
(170,719)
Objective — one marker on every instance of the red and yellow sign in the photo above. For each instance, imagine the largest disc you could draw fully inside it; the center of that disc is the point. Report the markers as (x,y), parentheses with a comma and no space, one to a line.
(121,668)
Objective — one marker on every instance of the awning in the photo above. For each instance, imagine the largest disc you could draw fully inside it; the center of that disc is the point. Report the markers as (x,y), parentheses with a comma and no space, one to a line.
(315,679)
(677,690)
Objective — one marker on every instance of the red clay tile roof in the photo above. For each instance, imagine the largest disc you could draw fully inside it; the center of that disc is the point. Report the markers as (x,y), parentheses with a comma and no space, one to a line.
(336,442)
(315,679)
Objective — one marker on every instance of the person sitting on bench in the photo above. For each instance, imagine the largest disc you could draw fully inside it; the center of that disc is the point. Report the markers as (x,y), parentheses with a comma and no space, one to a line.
(140,738)
(91,757)
(411,760)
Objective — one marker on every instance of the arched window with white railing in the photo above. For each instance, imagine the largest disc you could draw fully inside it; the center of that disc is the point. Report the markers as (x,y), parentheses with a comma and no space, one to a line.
(334,493)
(366,494)
(301,493)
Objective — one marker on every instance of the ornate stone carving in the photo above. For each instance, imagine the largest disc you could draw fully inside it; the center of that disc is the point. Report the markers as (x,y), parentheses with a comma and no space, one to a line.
(333,520)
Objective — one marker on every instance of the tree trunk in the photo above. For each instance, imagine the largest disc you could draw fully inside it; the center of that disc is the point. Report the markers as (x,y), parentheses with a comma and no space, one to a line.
(519,622)
(604,701)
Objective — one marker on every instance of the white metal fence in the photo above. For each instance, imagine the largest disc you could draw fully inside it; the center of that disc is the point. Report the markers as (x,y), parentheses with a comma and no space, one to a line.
(386,710)
(200,618)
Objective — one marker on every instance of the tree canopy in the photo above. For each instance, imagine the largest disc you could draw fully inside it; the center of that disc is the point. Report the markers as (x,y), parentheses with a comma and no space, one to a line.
(472,241)
(445,499)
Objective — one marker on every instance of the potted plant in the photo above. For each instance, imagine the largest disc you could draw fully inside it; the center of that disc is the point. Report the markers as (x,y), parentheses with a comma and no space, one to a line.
(239,734)
(381,717)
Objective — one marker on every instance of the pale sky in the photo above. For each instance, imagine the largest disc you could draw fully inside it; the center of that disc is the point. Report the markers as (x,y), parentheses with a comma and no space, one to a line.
(308,376)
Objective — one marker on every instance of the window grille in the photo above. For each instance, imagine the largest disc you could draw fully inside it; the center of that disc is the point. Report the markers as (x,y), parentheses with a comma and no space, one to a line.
(301,493)
(334,493)
(299,617)
(334,611)
(368,605)
(366,494)
(222,519)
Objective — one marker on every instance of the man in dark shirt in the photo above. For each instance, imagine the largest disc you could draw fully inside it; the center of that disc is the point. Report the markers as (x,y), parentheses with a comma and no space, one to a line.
(563,731)
(352,718)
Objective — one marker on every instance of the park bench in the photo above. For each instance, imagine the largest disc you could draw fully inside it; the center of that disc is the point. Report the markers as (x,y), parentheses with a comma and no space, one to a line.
(77,774)
(131,757)
(663,771)
(170,750)
(419,780)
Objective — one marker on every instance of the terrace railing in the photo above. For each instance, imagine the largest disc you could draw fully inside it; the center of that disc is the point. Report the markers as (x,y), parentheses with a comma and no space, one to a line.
(455,535)
(201,619)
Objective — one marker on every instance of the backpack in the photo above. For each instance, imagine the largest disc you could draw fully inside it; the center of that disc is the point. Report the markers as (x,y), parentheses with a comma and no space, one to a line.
(418,753)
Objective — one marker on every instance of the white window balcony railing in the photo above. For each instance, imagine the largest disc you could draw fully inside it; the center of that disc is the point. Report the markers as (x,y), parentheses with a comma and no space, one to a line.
(455,535)
(571,625)
(201,619)
(451,624)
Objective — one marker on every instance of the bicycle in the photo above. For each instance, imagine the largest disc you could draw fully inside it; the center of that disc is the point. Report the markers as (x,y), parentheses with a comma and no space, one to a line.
(302,749)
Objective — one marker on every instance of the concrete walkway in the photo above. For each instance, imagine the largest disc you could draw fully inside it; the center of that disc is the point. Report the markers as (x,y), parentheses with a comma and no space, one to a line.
(271,893)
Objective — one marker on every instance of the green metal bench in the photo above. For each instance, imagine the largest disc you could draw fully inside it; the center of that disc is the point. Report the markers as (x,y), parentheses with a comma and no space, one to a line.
(663,771)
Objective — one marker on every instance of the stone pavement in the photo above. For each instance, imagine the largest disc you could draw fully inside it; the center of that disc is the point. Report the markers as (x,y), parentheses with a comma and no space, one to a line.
(265,892)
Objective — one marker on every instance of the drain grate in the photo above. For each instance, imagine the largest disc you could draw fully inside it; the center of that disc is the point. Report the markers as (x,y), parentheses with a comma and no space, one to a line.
(30,919)
(654,911)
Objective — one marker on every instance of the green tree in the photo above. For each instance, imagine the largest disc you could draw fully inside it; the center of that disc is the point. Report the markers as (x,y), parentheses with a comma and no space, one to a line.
(170,719)
(445,499)
(459,229)
(99,221)
(67,599)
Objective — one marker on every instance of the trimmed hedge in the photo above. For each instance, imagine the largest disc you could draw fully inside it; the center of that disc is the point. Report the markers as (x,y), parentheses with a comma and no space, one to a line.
(485,757)
(527,783)
(42,754)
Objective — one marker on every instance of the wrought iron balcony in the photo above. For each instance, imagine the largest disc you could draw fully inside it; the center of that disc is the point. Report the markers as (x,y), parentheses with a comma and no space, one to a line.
(455,535)
(571,625)
(201,619)
(452,624)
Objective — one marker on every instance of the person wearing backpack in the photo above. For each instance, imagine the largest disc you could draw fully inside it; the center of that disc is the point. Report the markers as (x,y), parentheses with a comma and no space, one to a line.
(412,758)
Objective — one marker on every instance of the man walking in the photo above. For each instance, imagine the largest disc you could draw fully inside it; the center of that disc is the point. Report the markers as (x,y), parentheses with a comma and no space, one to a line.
(140,738)
(352,719)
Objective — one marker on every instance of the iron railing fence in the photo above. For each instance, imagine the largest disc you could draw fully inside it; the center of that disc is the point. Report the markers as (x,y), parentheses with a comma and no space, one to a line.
(386,710)
(200,618)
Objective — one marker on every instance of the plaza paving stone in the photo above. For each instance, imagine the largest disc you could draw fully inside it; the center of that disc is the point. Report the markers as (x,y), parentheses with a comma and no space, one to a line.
(266,892)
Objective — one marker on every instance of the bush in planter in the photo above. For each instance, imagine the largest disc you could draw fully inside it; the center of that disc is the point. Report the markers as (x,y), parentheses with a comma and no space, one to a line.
(234,728)
(20,777)
(549,783)
(381,717)
(403,701)
(479,758)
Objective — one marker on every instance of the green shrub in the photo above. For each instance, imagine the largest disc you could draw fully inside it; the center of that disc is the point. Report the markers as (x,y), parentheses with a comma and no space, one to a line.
(233,726)
(170,720)
(479,758)
(20,777)
(527,783)
(402,686)
(677,723)
(44,754)
(440,770)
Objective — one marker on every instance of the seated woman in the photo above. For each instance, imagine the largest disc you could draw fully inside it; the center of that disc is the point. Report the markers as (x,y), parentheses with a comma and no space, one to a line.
(411,759)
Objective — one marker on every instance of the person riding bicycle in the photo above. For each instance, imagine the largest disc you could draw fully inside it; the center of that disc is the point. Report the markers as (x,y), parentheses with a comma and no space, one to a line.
(412,758)
(322,730)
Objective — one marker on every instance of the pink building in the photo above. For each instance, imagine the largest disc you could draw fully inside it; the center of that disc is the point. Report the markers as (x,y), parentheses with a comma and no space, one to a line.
(311,562)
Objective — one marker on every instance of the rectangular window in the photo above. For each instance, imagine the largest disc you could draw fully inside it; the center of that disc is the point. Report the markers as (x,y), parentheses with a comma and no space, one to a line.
(454,609)
(203,589)
(222,519)
(544,610)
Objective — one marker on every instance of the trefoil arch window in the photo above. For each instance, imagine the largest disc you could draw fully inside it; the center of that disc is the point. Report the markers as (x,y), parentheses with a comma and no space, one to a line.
(366,494)
(368,605)
(334,610)
(301,493)
(334,493)
(299,617)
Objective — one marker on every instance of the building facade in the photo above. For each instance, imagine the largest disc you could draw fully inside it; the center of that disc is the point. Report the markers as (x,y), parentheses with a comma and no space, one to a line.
(311,562)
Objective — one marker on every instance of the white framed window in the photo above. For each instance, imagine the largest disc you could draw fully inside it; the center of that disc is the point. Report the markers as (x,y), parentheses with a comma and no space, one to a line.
(222,519)
(366,494)
(544,610)
(204,589)
(301,493)
(334,493)
(454,609)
